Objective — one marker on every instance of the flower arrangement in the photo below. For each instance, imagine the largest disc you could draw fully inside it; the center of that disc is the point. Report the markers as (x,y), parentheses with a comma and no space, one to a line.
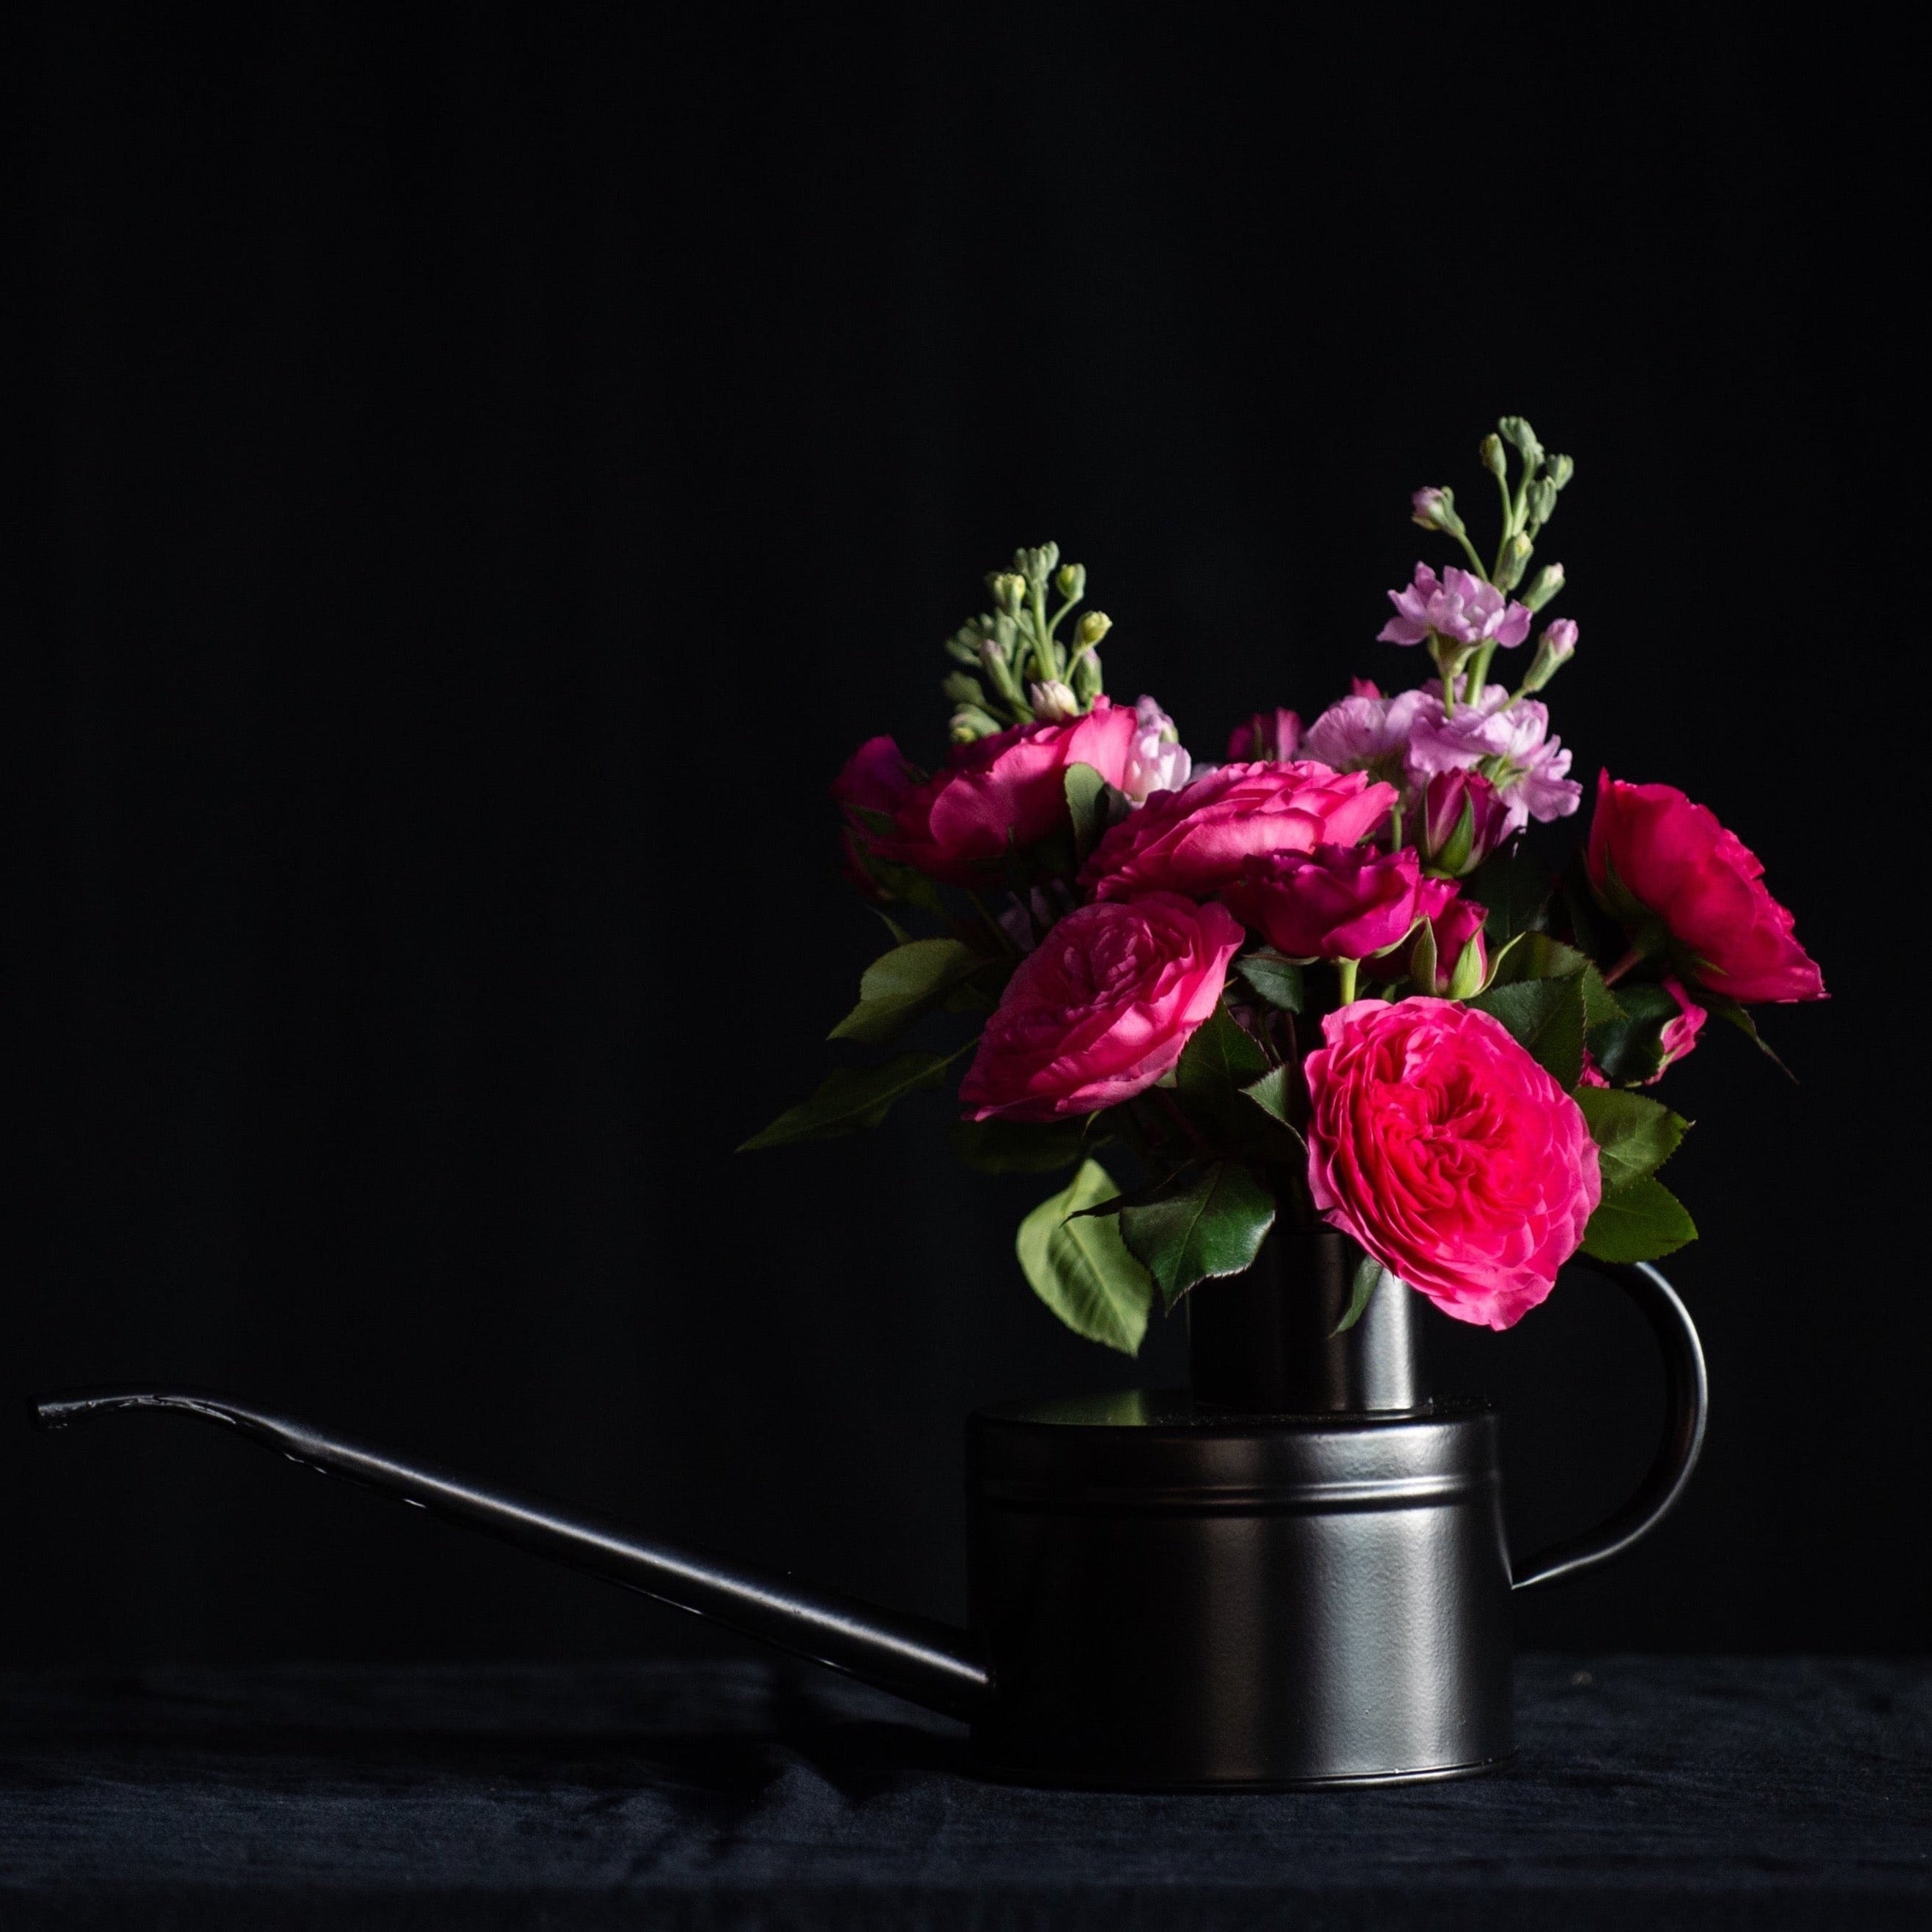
(1328,980)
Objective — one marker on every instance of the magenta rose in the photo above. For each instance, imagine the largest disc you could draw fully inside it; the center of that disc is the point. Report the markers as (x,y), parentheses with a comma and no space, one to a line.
(1001,795)
(1659,862)
(1437,1143)
(876,782)
(1196,840)
(1102,1009)
(1336,902)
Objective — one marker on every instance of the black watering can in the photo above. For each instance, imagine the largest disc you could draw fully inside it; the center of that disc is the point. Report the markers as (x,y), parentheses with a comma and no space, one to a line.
(1292,1574)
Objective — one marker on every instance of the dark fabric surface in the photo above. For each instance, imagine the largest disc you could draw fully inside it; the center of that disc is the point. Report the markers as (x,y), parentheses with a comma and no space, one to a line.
(1650,1791)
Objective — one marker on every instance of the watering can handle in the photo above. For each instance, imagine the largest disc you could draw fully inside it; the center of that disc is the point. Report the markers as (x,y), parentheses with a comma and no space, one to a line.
(1687,1397)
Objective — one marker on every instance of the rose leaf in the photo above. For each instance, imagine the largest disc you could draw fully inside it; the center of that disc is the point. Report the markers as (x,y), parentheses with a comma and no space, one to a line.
(852,1097)
(1213,1223)
(1080,1267)
(1017,1147)
(1272,978)
(1546,1017)
(1638,1223)
(1634,1136)
(900,984)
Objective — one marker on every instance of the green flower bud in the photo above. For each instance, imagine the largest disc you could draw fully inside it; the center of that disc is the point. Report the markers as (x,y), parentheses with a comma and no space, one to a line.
(1092,627)
(1516,430)
(1542,502)
(1543,586)
(1070,580)
(1087,683)
(1494,461)
(969,723)
(1009,589)
(1434,509)
(1562,469)
(1516,557)
(1054,701)
(1037,565)
(963,690)
(1006,632)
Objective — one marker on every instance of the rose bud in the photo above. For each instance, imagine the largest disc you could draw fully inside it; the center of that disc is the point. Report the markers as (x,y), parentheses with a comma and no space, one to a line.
(1464,820)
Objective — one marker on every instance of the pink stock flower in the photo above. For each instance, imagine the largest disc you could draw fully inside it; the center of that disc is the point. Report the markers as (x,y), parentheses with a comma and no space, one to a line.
(1102,1009)
(1461,607)
(1336,902)
(1658,861)
(1275,734)
(1195,840)
(1157,760)
(1439,1145)
(1002,794)
(1446,800)
(1366,732)
(1527,766)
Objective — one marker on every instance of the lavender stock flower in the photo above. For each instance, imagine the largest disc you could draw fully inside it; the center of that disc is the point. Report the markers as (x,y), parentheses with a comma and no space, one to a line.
(1458,606)
(1157,760)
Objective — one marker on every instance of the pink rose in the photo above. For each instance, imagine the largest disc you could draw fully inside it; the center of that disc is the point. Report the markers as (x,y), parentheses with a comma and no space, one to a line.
(1274,734)
(1336,902)
(1436,1142)
(1196,840)
(1454,921)
(1656,859)
(875,783)
(1679,1035)
(1102,1009)
(1001,795)
(1447,799)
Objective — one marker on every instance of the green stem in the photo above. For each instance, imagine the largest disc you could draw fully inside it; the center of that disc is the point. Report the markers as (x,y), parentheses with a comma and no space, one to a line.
(1346,970)
(1061,613)
(1633,957)
(999,933)
(1479,672)
(1463,538)
(1043,653)
(1395,824)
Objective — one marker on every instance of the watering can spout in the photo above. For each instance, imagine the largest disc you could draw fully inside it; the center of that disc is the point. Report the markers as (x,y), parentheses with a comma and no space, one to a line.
(930,1663)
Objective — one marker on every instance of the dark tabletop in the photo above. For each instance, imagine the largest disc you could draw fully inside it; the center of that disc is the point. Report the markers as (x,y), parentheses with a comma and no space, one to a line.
(1652,1792)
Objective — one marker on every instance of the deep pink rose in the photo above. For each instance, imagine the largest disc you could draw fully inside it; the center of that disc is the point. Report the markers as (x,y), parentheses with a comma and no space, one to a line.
(1448,800)
(1436,1142)
(1336,902)
(1679,1035)
(1196,840)
(1002,794)
(876,782)
(1454,921)
(1653,856)
(1102,1009)
(1268,734)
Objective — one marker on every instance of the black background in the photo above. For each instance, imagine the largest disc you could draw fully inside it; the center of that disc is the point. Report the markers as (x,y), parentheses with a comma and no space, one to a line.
(479,473)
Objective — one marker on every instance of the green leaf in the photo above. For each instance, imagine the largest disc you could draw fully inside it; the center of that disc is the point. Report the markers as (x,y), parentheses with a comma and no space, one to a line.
(852,1097)
(1628,1046)
(1017,1147)
(1086,800)
(1547,1015)
(1212,1223)
(1514,888)
(1220,1059)
(1081,1270)
(1740,1018)
(1368,1279)
(1271,1093)
(900,984)
(1273,979)
(1638,1223)
(1634,1136)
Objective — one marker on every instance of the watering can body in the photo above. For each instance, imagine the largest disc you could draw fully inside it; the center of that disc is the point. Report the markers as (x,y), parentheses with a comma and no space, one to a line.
(1293,1574)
